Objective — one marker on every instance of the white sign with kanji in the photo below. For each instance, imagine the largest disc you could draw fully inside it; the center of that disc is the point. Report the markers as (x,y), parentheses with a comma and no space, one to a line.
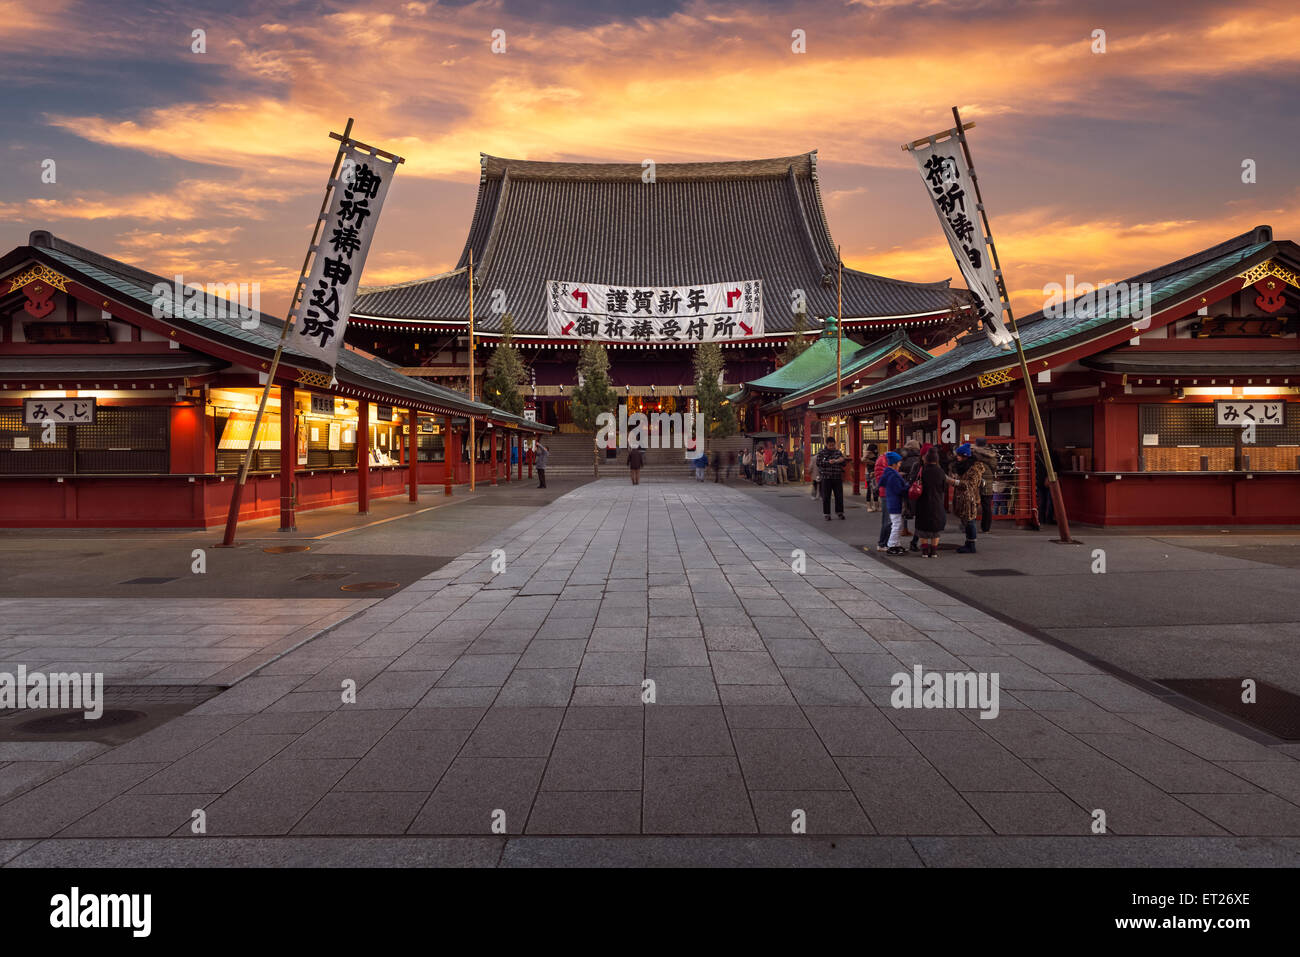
(947,177)
(985,408)
(59,411)
(331,286)
(709,312)
(1243,412)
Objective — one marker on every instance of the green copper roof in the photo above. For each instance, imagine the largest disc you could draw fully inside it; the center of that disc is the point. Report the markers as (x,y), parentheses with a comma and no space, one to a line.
(1042,335)
(861,359)
(813,363)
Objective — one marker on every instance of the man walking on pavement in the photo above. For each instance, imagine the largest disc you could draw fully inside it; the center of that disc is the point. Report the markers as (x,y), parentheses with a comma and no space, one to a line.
(543,453)
(830,466)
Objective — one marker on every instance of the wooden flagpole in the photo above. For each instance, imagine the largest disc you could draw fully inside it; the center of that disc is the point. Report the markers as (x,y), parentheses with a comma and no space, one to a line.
(473,445)
(237,494)
(839,322)
(1054,488)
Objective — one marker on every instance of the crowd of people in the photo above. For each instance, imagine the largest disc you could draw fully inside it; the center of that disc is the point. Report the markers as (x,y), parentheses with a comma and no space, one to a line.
(785,465)
(911,486)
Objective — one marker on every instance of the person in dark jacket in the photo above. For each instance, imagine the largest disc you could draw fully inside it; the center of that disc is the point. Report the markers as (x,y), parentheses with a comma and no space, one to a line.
(931,515)
(869,476)
(635,459)
(830,469)
(1046,507)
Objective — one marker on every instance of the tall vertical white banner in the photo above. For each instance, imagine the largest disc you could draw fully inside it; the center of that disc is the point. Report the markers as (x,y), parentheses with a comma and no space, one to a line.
(331,286)
(947,178)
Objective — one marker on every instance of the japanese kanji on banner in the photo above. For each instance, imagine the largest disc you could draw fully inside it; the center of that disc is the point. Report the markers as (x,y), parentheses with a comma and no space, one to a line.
(331,286)
(947,178)
(710,312)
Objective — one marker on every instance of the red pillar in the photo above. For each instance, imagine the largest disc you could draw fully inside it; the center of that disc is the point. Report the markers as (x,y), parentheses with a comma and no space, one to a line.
(413,454)
(493,453)
(855,443)
(807,445)
(288,457)
(449,455)
(363,457)
(510,444)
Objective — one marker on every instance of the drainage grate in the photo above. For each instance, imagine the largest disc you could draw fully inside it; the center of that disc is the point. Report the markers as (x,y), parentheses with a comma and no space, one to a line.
(129,711)
(147,581)
(1275,710)
(285,549)
(323,577)
(993,572)
(368,586)
(143,695)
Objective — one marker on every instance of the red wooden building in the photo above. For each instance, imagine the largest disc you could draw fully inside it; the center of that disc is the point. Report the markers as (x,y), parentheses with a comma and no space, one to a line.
(1146,388)
(119,408)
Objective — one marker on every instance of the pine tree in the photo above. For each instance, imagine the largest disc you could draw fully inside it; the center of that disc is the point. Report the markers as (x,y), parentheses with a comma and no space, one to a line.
(505,372)
(797,343)
(719,414)
(594,395)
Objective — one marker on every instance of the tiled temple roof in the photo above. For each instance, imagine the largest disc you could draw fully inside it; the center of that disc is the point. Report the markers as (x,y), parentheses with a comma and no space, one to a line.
(696,223)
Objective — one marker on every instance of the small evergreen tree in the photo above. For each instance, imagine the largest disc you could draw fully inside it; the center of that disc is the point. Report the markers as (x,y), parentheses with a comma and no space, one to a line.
(797,343)
(594,395)
(719,415)
(505,372)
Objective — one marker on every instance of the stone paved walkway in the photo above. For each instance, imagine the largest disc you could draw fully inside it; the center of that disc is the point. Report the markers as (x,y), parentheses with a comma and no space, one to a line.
(518,694)
(161,641)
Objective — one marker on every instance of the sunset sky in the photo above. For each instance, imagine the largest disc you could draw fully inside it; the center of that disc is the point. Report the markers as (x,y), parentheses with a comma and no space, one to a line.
(212,164)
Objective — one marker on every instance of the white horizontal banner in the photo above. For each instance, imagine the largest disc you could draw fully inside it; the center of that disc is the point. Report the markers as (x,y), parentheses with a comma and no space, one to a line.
(711,312)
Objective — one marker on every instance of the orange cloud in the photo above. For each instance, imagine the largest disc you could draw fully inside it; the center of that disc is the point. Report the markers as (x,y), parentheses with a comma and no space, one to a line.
(711,81)
(1042,246)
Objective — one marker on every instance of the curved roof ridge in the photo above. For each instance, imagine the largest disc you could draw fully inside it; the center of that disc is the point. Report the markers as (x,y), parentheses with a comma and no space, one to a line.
(494,234)
(821,207)
(793,191)
(479,209)
(407,283)
(495,167)
(938,284)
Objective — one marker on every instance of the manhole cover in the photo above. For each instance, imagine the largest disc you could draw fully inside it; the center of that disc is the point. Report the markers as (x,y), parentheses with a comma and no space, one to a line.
(283,549)
(993,572)
(147,581)
(322,577)
(368,586)
(69,722)
(1274,710)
